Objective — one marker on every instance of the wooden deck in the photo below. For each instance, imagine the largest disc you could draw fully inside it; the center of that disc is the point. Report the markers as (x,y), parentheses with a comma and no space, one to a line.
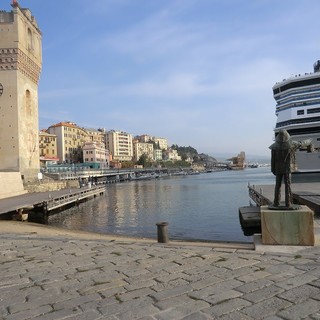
(303,193)
(48,201)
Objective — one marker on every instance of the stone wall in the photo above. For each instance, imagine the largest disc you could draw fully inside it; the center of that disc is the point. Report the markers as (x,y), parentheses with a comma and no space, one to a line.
(51,186)
(11,184)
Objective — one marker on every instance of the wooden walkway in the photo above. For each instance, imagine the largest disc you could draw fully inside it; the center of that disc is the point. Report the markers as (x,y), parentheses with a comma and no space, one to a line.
(48,200)
(303,193)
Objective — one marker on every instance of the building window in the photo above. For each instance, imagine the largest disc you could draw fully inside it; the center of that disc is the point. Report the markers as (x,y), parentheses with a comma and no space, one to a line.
(313,110)
(30,42)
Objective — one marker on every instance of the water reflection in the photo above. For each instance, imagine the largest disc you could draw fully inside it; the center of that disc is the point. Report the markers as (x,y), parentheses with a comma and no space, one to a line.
(197,207)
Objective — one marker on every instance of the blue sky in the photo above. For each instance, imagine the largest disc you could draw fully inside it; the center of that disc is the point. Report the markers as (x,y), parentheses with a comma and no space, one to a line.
(198,72)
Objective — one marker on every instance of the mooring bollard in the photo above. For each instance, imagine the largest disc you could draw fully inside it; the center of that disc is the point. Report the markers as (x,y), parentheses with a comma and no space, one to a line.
(163,232)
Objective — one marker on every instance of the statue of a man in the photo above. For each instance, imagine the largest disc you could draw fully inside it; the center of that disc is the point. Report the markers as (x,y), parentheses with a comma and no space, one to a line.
(283,163)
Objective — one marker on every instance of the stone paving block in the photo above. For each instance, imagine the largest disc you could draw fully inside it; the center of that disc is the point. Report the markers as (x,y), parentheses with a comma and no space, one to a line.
(285,272)
(173,302)
(197,316)
(77,302)
(266,308)
(103,275)
(202,271)
(300,293)
(132,271)
(301,310)
(35,311)
(102,287)
(62,286)
(315,283)
(170,284)
(216,289)
(227,274)
(255,285)
(205,282)
(235,315)
(227,307)
(59,315)
(88,315)
(137,312)
(123,306)
(3,312)
(296,281)
(13,281)
(169,293)
(182,311)
(236,263)
(167,276)
(51,298)
(136,294)
(166,266)
(140,285)
(8,299)
(252,276)
(262,294)
(224,296)
(315,272)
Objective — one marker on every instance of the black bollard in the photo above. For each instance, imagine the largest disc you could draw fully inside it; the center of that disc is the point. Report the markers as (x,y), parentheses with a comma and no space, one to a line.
(163,232)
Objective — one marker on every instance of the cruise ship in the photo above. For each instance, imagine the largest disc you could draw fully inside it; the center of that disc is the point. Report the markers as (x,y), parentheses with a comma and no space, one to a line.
(298,111)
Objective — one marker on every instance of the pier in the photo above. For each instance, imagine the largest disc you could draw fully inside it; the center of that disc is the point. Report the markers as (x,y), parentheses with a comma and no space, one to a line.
(303,194)
(262,195)
(46,203)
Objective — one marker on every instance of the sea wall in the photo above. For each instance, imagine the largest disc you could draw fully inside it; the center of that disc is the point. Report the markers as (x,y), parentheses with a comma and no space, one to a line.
(41,186)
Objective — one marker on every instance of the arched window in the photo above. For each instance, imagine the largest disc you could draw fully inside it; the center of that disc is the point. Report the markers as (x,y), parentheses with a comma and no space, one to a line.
(28,105)
(30,42)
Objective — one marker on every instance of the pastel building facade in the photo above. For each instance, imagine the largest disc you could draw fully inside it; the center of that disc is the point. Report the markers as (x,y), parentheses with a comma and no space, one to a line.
(120,145)
(48,148)
(171,155)
(141,148)
(95,155)
(70,140)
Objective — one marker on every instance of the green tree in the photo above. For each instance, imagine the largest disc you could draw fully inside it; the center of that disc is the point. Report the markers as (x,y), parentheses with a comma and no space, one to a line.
(144,161)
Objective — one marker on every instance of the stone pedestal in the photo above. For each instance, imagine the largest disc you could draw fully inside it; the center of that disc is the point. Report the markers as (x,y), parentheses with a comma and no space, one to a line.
(287,227)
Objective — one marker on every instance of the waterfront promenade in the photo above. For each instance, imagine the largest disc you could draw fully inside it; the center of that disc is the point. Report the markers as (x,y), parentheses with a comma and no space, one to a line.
(49,273)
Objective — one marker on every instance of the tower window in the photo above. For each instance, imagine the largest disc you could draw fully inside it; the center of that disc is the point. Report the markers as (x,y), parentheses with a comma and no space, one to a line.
(29,44)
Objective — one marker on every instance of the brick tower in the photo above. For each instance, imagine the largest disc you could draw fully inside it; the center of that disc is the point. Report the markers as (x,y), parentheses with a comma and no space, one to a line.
(20,66)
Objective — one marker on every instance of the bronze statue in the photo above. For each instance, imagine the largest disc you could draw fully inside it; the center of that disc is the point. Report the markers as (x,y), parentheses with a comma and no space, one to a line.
(282,164)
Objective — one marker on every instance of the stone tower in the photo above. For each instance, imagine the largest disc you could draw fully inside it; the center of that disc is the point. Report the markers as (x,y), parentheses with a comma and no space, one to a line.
(20,66)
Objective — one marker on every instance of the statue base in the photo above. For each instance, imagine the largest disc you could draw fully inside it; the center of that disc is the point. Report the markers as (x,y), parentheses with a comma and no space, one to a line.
(287,227)
(292,207)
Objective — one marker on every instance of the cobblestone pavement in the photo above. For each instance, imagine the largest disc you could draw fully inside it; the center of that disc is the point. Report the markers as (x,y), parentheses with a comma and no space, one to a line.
(66,278)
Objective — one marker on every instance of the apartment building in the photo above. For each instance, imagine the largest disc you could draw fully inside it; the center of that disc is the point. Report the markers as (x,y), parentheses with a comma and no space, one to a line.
(171,155)
(157,154)
(119,144)
(98,135)
(140,148)
(95,155)
(161,142)
(47,148)
(70,140)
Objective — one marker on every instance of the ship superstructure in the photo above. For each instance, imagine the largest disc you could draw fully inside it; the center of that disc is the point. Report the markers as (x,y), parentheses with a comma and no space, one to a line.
(298,111)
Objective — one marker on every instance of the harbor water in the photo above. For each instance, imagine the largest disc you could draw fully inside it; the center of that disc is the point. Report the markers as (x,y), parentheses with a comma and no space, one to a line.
(197,207)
